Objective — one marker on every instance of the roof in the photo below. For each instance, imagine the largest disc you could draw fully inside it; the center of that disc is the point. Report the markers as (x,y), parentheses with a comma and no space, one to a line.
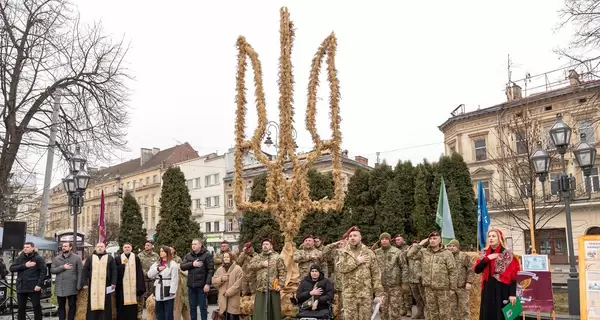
(586,86)
(164,158)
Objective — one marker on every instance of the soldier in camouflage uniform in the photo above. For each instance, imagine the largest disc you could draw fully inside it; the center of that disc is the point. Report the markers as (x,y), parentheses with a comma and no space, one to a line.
(307,255)
(270,272)
(219,256)
(416,287)
(331,255)
(407,298)
(394,278)
(244,261)
(466,273)
(362,277)
(319,243)
(147,257)
(440,276)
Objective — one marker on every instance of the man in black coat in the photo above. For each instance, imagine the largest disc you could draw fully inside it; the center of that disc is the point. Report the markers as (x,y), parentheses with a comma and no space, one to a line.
(31,271)
(315,294)
(200,267)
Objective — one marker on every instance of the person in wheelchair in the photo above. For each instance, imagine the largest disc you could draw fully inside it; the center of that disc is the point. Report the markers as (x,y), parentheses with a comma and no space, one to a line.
(315,295)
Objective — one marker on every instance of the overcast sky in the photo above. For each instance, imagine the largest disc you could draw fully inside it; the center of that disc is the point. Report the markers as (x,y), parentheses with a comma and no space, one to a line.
(403,66)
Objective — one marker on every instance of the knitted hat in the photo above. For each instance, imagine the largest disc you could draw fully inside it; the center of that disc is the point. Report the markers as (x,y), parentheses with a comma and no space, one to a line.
(314,266)
(454,242)
(384,236)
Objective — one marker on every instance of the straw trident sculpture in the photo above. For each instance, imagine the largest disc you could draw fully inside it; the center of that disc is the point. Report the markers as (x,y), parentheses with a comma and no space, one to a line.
(288,200)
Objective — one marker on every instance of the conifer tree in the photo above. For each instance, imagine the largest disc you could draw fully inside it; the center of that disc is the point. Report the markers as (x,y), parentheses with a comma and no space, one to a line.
(257,226)
(422,216)
(176,226)
(132,224)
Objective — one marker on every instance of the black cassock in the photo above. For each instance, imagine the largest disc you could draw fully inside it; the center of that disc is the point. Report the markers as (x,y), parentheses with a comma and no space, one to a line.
(111,279)
(130,311)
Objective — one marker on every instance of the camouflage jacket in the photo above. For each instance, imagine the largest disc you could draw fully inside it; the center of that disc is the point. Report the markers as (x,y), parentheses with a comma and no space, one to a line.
(177,259)
(438,268)
(147,258)
(359,279)
(243,261)
(414,269)
(331,256)
(465,265)
(218,261)
(394,269)
(276,270)
(305,258)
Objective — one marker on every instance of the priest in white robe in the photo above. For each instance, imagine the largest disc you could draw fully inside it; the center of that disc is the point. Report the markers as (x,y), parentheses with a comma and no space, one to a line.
(99,277)
(130,284)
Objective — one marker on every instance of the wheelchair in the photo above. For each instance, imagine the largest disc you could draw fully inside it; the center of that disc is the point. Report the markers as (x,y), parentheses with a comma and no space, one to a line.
(323,314)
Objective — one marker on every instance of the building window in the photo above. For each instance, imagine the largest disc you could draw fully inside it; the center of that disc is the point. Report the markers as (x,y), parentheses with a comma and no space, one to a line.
(587,127)
(486,189)
(594,181)
(216,201)
(216,179)
(554,181)
(145,200)
(155,178)
(524,190)
(229,225)
(480,150)
(552,242)
(147,180)
(198,203)
(207,181)
(521,142)
(153,214)
(146,219)
(190,184)
(230,201)
(217,226)
(197,183)
(208,226)
(207,202)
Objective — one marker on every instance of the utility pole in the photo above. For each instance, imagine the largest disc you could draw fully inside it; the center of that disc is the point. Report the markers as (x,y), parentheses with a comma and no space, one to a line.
(49,164)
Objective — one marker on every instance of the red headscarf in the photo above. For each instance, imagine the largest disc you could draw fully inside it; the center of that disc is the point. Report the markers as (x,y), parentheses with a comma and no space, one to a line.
(504,268)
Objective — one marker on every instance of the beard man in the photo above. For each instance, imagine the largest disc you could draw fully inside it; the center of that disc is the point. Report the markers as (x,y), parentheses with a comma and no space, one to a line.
(99,273)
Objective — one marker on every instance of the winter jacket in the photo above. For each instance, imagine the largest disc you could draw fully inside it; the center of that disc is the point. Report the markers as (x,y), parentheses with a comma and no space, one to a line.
(168,277)
(202,275)
(67,282)
(29,278)
(308,284)
(229,291)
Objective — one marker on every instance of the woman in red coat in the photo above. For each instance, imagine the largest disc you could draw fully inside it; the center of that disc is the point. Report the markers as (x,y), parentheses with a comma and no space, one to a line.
(498,268)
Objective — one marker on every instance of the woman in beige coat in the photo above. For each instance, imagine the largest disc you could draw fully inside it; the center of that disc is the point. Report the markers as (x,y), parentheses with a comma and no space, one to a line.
(228,280)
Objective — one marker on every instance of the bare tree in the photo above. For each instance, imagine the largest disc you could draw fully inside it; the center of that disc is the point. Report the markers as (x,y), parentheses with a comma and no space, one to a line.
(518,139)
(44,48)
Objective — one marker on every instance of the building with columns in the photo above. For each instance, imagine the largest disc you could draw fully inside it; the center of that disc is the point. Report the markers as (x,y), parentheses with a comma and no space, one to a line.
(497,143)
(141,176)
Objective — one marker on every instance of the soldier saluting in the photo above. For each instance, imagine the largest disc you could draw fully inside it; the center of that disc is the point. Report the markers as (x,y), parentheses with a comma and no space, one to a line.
(440,276)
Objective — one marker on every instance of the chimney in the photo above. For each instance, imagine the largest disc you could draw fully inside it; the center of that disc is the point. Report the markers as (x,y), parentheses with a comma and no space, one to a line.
(574,78)
(513,92)
(145,155)
(155,151)
(362,160)
(345,153)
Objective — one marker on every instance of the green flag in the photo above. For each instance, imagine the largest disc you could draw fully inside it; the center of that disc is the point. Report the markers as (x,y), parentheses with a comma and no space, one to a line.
(443,217)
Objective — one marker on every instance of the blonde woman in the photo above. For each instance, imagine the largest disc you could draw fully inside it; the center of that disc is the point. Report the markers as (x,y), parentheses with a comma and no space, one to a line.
(228,280)
(166,273)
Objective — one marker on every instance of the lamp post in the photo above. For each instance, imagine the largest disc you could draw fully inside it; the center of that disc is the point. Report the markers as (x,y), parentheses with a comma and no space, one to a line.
(75,184)
(585,156)
(275,126)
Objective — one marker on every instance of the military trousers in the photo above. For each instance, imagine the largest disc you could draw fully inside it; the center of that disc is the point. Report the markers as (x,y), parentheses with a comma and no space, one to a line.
(392,303)
(439,303)
(357,307)
(461,303)
(418,293)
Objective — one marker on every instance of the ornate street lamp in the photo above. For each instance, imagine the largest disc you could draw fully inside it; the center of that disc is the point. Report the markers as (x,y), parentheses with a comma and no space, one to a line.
(275,126)
(77,160)
(585,156)
(75,184)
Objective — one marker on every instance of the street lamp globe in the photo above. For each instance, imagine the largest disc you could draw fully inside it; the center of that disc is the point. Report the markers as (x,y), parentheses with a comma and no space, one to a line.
(77,160)
(268,141)
(69,184)
(540,161)
(560,133)
(82,178)
(585,156)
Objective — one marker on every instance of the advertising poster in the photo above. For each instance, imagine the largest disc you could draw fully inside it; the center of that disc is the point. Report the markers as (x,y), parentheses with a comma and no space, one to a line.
(589,277)
(535,290)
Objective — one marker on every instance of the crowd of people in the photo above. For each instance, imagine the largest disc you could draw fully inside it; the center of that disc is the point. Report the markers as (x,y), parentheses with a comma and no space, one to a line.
(347,275)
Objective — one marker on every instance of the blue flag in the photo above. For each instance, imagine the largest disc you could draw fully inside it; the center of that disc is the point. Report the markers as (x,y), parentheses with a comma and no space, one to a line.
(483,219)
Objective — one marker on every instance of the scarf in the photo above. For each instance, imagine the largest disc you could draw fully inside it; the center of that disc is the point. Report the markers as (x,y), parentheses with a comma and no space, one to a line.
(129,280)
(504,268)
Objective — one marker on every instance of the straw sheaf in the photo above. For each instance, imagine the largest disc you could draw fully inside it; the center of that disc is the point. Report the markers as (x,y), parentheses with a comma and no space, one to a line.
(287,200)
(475,293)
(82,304)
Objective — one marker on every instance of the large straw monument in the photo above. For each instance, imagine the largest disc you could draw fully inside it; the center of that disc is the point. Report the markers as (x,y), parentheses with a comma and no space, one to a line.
(288,200)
